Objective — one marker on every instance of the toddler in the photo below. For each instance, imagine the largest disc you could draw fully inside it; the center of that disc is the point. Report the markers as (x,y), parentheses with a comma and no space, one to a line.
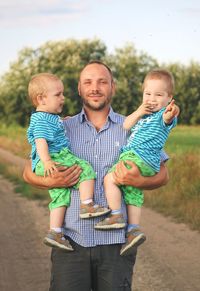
(50,148)
(150,125)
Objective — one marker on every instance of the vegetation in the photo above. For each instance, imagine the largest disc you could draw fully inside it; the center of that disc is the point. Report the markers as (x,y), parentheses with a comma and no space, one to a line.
(180,198)
(66,58)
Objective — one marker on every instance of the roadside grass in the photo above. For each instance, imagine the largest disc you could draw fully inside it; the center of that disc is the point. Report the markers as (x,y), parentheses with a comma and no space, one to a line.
(179,199)
(14,174)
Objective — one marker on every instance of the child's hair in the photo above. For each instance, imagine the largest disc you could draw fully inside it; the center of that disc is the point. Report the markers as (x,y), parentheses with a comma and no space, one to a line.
(38,86)
(161,74)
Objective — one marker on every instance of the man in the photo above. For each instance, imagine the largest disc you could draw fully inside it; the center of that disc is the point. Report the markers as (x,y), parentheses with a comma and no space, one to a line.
(96,135)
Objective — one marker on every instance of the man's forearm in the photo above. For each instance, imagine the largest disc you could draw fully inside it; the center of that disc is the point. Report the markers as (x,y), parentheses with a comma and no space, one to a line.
(33,179)
(156,181)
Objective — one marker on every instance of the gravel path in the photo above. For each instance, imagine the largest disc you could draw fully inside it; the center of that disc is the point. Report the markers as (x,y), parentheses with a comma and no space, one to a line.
(168,261)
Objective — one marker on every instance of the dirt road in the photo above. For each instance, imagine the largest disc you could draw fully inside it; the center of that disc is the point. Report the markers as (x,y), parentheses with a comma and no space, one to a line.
(168,261)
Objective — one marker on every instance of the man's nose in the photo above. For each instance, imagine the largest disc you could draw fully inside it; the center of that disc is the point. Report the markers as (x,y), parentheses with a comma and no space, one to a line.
(95,86)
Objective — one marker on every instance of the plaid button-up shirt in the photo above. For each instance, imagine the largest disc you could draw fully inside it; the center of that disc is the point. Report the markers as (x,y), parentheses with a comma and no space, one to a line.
(101,149)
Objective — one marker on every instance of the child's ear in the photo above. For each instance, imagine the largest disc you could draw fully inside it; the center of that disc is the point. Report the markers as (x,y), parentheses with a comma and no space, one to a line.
(41,99)
(170,98)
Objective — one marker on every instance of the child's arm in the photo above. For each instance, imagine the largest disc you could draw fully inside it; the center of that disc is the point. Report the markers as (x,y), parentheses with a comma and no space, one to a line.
(134,117)
(43,152)
(172,110)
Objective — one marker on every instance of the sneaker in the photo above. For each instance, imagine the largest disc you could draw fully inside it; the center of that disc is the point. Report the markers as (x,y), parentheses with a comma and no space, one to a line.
(114,221)
(54,239)
(92,210)
(134,238)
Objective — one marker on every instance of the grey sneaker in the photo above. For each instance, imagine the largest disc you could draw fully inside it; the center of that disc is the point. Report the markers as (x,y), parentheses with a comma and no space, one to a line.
(92,210)
(54,239)
(114,221)
(134,238)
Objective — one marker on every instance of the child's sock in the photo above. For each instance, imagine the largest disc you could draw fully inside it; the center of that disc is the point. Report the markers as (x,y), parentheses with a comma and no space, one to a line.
(58,230)
(87,201)
(133,226)
(116,211)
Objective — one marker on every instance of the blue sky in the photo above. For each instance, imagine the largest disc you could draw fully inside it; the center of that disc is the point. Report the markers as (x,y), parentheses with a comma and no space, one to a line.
(167,30)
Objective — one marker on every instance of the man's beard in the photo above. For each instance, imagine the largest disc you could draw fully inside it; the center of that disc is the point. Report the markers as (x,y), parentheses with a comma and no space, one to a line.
(99,107)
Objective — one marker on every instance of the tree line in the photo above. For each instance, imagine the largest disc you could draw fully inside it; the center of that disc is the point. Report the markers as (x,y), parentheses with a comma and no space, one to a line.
(66,58)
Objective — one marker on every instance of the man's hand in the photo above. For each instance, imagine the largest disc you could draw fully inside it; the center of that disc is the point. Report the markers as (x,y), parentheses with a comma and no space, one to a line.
(65,177)
(124,176)
(133,177)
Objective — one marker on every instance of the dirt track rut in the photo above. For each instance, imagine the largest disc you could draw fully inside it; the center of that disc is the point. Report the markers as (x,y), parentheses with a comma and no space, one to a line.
(168,261)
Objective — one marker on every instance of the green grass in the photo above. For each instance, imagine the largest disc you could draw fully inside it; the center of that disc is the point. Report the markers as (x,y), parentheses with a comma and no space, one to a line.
(14,174)
(179,199)
(184,139)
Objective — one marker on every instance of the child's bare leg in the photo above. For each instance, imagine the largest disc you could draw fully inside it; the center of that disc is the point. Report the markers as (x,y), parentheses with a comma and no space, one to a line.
(112,192)
(86,189)
(57,217)
(88,208)
(134,214)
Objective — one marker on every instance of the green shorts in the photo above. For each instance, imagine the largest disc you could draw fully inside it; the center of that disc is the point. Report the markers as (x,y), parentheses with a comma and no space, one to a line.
(132,195)
(61,196)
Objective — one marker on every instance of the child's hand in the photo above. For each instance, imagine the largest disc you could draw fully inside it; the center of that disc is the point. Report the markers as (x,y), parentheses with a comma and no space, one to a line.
(172,110)
(145,108)
(50,167)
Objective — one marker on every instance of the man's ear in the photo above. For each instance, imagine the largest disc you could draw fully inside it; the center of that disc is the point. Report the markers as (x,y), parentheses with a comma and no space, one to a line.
(113,88)
(79,89)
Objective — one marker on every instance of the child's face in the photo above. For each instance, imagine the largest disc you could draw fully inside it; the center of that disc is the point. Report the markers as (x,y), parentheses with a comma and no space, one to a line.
(53,100)
(156,94)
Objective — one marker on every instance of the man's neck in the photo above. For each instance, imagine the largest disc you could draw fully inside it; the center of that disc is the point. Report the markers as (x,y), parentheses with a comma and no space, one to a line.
(97,118)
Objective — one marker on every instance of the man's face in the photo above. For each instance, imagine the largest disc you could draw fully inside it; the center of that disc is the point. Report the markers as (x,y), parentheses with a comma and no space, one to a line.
(96,87)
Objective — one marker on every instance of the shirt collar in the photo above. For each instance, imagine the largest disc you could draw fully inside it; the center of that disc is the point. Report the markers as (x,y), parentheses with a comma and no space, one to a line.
(111,116)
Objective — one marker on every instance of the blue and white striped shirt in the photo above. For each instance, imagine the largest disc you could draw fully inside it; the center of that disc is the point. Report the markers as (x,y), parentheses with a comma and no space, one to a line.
(101,149)
(148,137)
(50,127)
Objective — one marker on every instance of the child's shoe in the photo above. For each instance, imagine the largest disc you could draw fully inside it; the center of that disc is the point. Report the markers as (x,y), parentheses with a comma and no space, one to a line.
(92,210)
(113,221)
(54,239)
(134,238)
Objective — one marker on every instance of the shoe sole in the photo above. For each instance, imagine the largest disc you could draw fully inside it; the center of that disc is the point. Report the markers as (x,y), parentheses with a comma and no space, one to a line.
(135,243)
(95,214)
(112,226)
(52,243)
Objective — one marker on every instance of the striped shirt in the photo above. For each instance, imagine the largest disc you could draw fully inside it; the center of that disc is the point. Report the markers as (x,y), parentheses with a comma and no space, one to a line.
(148,137)
(101,149)
(50,127)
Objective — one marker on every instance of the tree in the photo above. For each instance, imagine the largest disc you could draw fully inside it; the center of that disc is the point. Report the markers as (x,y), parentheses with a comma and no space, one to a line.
(63,58)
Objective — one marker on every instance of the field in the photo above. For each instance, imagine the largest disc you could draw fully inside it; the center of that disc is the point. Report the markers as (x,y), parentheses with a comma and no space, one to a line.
(180,198)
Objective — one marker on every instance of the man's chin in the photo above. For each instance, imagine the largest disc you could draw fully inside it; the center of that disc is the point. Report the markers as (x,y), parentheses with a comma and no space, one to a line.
(95,107)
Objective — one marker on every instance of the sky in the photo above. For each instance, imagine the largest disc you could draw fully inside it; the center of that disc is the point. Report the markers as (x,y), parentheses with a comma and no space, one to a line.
(168,30)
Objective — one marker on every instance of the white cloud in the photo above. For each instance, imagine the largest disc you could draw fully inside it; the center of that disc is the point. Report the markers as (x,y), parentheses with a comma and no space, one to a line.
(37,12)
